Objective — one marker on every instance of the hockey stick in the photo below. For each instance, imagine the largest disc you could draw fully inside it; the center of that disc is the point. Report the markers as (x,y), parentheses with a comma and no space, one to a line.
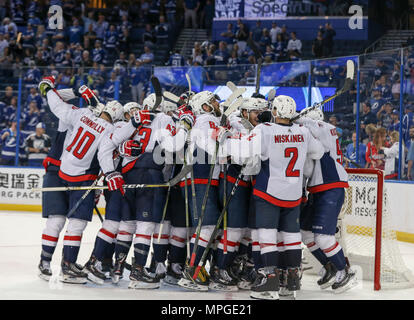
(350,68)
(225,213)
(84,196)
(172,182)
(223,120)
(98,213)
(158,92)
(259,57)
(171,96)
(217,226)
(164,211)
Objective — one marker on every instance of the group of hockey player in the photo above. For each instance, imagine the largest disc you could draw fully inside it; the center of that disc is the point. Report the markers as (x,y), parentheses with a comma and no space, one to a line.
(261,180)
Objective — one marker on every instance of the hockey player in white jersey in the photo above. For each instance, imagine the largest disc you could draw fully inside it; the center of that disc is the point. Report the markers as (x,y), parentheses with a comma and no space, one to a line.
(223,276)
(202,148)
(55,204)
(320,216)
(283,148)
(79,167)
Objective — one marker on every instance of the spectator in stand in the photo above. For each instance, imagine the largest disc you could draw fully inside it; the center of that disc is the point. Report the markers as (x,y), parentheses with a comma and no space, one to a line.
(265,40)
(190,13)
(395,90)
(111,43)
(384,115)
(100,27)
(89,38)
(161,31)
(376,101)
(89,20)
(176,59)
(280,48)
(148,37)
(257,32)
(77,55)
(350,153)
(9,25)
(8,95)
(318,46)
(367,116)
(372,156)
(58,36)
(170,10)
(31,117)
(123,35)
(109,88)
(234,59)
(384,87)
(229,36)
(11,111)
(154,11)
(274,31)
(147,57)
(328,34)
(67,61)
(221,55)
(8,138)
(391,155)
(32,76)
(3,44)
(322,74)
(410,156)
(37,146)
(59,53)
(333,120)
(75,32)
(34,96)
(407,121)
(294,46)
(269,55)
(86,59)
(380,69)
(98,53)
(395,121)
(242,35)
(28,37)
(284,34)
(139,77)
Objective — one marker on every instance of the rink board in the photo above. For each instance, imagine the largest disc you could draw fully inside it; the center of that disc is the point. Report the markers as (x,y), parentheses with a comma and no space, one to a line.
(15,195)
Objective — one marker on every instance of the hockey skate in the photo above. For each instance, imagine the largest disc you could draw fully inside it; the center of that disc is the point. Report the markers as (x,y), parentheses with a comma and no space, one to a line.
(266,286)
(93,268)
(173,275)
(344,280)
(293,280)
(45,272)
(160,270)
(118,269)
(199,284)
(141,279)
(72,273)
(247,276)
(284,291)
(221,280)
(327,274)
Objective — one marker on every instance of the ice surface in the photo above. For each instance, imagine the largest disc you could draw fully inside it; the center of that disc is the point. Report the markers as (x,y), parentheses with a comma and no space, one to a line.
(20,245)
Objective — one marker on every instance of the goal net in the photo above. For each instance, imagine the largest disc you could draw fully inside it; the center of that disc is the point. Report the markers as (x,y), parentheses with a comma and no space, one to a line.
(366,232)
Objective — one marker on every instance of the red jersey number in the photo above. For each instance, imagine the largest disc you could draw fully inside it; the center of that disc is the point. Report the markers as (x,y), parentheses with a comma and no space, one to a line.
(292,152)
(145,134)
(84,142)
(339,153)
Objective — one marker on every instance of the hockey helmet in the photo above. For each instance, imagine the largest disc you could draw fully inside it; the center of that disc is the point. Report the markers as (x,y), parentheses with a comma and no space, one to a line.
(315,114)
(285,107)
(97,110)
(115,110)
(149,102)
(200,99)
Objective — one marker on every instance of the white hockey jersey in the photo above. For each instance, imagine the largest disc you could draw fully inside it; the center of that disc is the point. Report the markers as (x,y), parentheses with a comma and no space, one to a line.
(328,172)
(161,132)
(79,158)
(203,148)
(283,150)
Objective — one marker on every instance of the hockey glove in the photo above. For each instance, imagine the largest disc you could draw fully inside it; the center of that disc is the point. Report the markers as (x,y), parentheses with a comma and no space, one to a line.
(142,117)
(265,116)
(88,95)
(46,84)
(115,181)
(130,148)
(221,134)
(186,119)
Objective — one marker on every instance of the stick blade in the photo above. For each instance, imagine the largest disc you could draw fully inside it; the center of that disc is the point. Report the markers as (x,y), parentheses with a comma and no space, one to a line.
(350,69)
(158,92)
(183,173)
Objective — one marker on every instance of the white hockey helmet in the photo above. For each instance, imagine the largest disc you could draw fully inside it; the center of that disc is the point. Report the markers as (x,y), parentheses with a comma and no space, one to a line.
(168,106)
(130,106)
(200,99)
(149,102)
(250,104)
(285,107)
(97,110)
(115,110)
(315,114)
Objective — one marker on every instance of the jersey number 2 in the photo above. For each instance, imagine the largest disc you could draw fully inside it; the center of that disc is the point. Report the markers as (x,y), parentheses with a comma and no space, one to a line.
(88,137)
(289,170)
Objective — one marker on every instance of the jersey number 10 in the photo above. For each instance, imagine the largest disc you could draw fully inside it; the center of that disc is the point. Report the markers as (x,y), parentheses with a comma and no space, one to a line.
(88,137)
